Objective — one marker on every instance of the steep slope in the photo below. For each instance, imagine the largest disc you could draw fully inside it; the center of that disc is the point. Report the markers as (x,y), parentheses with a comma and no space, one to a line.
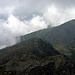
(61,37)
(33,49)
(34,57)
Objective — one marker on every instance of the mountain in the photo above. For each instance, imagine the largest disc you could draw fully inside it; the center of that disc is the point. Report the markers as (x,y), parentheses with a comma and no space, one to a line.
(63,34)
(36,47)
(22,55)
(34,57)
(61,37)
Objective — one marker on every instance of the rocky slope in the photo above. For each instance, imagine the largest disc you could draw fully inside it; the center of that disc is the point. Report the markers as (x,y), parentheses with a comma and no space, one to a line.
(34,57)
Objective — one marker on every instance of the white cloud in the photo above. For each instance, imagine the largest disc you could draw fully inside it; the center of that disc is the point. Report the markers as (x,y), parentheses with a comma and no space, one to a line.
(23,27)
(52,13)
(13,27)
(56,16)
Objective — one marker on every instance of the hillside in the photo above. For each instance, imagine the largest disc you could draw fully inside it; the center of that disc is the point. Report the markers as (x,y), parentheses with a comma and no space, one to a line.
(34,57)
(61,37)
(63,34)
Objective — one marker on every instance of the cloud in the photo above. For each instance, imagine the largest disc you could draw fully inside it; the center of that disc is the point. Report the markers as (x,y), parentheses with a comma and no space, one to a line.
(56,16)
(13,27)
(20,17)
(25,26)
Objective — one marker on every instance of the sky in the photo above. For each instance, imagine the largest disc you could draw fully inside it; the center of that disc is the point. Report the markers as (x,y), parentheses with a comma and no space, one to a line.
(20,17)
